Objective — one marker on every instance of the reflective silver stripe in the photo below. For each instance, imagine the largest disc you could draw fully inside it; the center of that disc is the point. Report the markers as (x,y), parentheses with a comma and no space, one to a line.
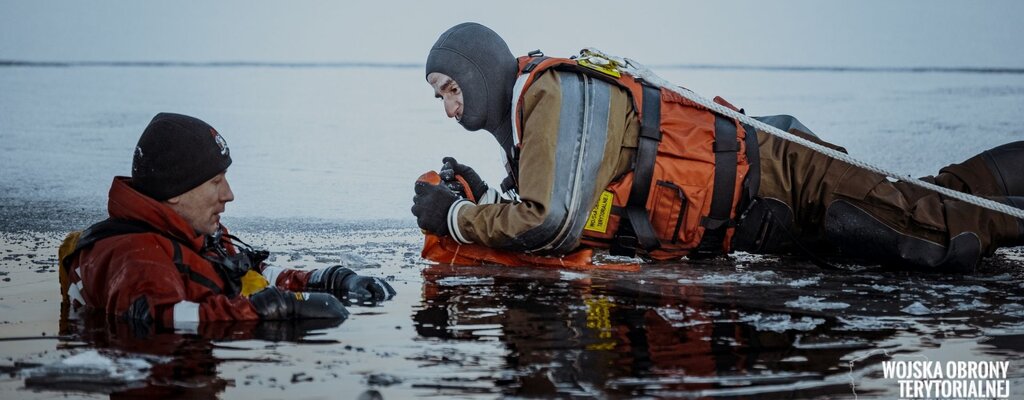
(186,316)
(453,221)
(491,196)
(517,92)
(582,133)
(271,274)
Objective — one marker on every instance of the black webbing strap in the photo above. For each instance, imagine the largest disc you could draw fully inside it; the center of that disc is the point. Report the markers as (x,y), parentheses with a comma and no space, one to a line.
(188,272)
(635,231)
(718,220)
(754,159)
(102,230)
(115,227)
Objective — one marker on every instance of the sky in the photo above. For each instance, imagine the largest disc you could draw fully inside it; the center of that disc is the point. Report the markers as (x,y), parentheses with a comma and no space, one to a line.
(871,33)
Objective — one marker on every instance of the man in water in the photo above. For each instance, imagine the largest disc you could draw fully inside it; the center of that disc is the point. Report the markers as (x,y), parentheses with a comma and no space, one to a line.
(163,255)
(598,158)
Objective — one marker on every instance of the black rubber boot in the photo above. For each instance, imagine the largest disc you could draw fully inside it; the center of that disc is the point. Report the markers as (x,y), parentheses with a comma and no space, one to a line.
(994,172)
(858,234)
(1007,165)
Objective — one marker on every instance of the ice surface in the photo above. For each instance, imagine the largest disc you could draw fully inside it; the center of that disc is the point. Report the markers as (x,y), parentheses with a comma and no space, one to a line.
(324,164)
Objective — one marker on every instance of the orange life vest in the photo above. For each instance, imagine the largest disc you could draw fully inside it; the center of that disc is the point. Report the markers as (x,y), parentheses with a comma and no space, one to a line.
(691,163)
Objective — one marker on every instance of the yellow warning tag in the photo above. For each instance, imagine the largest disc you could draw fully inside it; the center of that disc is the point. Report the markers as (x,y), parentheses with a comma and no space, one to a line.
(597,65)
(598,220)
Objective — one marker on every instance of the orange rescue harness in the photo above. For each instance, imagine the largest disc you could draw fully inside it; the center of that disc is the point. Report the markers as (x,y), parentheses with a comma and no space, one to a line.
(683,194)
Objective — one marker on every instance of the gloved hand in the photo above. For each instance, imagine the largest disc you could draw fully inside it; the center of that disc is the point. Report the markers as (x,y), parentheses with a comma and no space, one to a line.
(471,184)
(465,182)
(276,304)
(431,205)
(345,284)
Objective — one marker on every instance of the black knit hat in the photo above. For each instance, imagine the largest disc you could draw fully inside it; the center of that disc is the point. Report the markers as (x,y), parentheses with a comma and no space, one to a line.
(175,154)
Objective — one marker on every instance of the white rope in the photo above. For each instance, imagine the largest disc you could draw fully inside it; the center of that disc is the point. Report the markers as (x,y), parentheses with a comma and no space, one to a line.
(640,71)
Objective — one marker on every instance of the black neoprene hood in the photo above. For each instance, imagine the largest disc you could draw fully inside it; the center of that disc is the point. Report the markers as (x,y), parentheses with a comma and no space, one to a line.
(484,68)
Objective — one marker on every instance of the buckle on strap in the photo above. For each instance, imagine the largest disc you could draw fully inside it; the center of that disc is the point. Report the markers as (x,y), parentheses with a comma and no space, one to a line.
(726,146)
(710,223)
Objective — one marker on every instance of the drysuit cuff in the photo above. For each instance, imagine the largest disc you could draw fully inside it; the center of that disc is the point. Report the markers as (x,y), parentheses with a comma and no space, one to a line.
(453,220)
(490,196)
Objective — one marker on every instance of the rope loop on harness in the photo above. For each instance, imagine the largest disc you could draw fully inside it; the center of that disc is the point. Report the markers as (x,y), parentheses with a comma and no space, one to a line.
(640,71)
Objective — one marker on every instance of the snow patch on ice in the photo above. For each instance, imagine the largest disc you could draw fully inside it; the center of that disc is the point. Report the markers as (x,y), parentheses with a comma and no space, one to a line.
(815,303)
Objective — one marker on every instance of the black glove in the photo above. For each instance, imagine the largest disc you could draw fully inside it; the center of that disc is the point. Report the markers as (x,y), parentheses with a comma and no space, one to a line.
(431,205)
(344,284)
(477,187)
(276,304)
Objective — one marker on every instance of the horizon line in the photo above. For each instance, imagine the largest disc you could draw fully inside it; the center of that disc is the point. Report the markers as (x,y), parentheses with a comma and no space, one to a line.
(399,65)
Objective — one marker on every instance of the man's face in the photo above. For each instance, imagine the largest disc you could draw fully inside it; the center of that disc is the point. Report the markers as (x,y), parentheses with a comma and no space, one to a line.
(202,205)
(449,92)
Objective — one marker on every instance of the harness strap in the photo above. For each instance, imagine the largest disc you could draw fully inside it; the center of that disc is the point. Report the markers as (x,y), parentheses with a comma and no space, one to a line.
(718,220)
(636,232)
(754,160)
(189,273)
(116,227)
(534,62)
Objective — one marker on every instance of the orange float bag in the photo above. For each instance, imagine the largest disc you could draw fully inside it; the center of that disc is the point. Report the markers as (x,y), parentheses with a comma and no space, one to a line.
(445,250)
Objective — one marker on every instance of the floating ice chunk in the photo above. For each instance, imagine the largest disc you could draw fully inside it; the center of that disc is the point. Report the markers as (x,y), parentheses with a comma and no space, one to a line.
(572,276)
(968,289)
(870,323)
(815,303)
(974,305)
(884,288)
(465,281)
(799,283)
(821,343)
(90,371)
(782,322)
(916,309)
(683,319)
(1011,310)
(746,278)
